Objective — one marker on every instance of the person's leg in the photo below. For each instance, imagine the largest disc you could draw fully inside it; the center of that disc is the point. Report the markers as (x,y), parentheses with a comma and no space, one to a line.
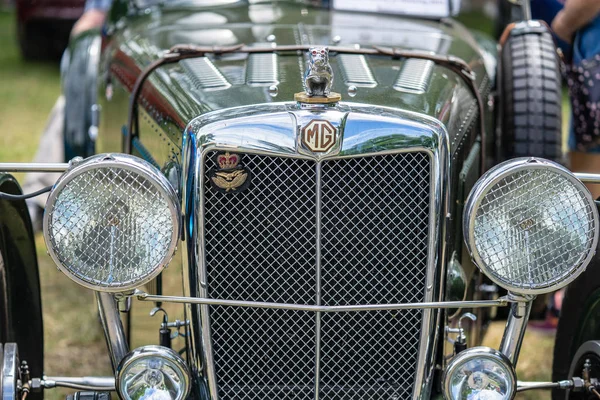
(50,150)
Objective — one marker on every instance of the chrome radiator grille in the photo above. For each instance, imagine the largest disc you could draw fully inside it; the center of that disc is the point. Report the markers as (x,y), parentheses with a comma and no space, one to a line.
(368,218)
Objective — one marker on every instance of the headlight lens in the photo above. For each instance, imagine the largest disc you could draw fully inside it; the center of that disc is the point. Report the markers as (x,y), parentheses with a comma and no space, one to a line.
(112,222)
(479,373)
(530,225)
(153,373)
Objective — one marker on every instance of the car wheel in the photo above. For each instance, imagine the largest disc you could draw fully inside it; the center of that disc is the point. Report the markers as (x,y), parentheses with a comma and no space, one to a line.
(588,358)
(81,112)
(579,323)
(530,93)
(20,300)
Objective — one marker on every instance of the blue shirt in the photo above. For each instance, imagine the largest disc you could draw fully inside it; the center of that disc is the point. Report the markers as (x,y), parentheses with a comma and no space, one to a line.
(103,5)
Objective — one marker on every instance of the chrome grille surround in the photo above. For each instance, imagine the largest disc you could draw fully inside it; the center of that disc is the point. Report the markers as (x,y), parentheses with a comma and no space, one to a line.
(417,133)
(292,199)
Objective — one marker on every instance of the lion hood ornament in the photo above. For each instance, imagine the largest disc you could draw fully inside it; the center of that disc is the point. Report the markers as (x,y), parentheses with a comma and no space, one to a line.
(318,78)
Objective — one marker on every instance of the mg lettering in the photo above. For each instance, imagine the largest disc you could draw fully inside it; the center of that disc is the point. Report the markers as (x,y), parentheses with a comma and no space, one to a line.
(319,136)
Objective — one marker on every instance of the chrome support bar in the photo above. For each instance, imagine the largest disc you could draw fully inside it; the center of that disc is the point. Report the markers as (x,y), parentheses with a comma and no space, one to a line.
(516,324)
(526,7)
(587,177)
(113,328)
(33,167)
(523,386)
(99,383)
(502,301)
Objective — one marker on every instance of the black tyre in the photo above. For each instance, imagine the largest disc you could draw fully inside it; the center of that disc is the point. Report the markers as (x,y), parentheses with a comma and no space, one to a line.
(579,322)
(530,98)
(20,297)
(81,94)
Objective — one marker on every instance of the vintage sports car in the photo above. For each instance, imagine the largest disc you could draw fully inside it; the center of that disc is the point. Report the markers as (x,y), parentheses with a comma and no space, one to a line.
(309,170)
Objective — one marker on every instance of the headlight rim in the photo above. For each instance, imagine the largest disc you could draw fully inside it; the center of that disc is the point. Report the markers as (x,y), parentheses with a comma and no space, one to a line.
(152,351)
(486,182)
(132,164)
(478,352)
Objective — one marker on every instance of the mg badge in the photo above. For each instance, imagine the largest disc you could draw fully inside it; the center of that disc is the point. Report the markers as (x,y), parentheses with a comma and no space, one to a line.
(230,176)
(319,135)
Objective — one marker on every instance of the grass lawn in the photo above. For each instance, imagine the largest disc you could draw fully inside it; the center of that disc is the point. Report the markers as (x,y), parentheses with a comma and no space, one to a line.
(27,93)
(74,343)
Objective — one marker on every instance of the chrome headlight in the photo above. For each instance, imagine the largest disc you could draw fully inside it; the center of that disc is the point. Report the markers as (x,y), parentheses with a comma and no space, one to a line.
(153,372)
(530,225)
(479,373)
(112,222)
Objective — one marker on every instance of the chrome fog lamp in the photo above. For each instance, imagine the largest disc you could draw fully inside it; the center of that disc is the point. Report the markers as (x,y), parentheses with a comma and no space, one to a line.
(153,373)
(479,373)
(530,225)
(112,222)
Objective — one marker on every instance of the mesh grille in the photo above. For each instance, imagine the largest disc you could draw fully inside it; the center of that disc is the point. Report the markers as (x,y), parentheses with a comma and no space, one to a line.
(533,227)
(261,245)
(110,227)
(374,251)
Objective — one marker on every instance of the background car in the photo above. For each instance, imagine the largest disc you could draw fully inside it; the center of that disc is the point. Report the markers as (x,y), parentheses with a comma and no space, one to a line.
(43,26)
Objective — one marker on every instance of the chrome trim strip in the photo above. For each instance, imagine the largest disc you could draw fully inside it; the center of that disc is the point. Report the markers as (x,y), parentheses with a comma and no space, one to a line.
(500,302)
(113,328)
(585,177)
(439,199)
(318,280)
(34,167)
(203,286)
(190,206)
